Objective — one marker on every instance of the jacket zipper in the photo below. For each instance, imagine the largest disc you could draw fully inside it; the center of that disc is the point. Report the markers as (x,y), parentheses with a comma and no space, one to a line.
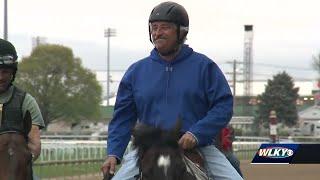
(169,69)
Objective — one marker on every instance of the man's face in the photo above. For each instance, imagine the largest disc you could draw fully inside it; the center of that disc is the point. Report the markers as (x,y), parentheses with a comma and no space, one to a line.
(164,36)
(6,75)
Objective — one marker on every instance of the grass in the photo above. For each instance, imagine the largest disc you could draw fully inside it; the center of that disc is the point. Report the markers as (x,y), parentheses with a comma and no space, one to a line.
(66,169)
(245,154)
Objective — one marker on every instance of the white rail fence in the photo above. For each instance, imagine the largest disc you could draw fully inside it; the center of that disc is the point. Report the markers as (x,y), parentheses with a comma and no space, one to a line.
(59,150)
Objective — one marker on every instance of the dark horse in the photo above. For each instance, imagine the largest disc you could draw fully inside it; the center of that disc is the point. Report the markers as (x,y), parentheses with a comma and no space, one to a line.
(15,157)
(159,155)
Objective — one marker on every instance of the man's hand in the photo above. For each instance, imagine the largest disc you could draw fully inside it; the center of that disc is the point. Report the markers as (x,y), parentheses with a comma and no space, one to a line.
(34,142)
(109,165)
(187,141)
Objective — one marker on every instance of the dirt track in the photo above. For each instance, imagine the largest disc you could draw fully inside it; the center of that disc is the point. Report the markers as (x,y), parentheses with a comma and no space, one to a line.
(280,172)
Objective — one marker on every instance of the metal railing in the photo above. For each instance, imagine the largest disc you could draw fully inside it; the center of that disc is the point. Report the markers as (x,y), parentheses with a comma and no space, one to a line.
(74,137)
(72,150)
(245,150)
(76,159)
(104,138)
(252,139)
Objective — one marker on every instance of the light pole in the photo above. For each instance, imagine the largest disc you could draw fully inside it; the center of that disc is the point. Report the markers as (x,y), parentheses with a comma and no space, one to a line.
(5,21)
(108,33)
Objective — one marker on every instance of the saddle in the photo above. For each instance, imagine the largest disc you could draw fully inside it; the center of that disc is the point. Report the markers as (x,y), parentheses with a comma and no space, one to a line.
(108,176)
(195,164)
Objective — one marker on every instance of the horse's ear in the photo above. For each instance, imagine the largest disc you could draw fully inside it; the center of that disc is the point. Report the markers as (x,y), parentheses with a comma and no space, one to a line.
(136,129)
(144,135)
(177,128)
(178,125)
(142,130)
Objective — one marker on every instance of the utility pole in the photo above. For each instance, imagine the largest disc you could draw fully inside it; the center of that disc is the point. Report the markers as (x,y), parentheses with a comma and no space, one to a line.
(38,40)
(108,33)
(234,74)
(5,21)
(234,77)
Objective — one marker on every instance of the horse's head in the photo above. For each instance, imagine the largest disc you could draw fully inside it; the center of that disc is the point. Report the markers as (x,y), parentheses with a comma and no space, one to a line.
(15,157)
(159,155)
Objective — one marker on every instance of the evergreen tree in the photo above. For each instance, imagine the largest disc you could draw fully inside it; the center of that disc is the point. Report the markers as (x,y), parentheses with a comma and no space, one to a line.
(280,95)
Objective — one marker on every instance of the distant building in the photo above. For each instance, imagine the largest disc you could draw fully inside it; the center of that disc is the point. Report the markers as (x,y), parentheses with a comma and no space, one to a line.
(83,127)
(90,127)
(309,119)
(59,126)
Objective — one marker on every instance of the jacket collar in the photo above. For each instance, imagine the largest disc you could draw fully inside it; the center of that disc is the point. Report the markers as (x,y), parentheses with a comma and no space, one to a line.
(184,53)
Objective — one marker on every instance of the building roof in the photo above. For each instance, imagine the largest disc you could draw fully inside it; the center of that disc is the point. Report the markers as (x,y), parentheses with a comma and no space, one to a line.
(311,113)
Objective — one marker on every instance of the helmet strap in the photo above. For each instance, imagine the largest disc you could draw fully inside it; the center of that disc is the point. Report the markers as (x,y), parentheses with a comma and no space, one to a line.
(150,38)
(13,75)
(178,35)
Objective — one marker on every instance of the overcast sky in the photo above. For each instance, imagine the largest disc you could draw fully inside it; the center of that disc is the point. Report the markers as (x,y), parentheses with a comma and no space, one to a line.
(286,32)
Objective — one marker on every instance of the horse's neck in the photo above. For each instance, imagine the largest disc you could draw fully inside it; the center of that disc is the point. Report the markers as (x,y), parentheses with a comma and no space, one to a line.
(14,155)
(13,138)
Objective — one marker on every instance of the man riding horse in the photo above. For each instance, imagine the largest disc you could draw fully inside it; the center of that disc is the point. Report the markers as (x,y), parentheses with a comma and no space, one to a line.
(17,105)
(173,81)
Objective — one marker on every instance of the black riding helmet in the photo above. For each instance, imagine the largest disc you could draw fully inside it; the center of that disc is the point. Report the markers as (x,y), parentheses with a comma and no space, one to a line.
(8,56)
(170,12)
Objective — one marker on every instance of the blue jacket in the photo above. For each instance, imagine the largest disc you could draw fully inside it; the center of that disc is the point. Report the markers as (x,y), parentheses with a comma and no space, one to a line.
(156,93)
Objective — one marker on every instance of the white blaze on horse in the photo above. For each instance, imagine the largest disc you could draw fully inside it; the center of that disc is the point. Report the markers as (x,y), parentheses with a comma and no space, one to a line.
(164,162)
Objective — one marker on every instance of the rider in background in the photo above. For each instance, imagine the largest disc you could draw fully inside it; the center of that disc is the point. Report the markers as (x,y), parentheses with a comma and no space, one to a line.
(173,81)
(224,144)
(15,103)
